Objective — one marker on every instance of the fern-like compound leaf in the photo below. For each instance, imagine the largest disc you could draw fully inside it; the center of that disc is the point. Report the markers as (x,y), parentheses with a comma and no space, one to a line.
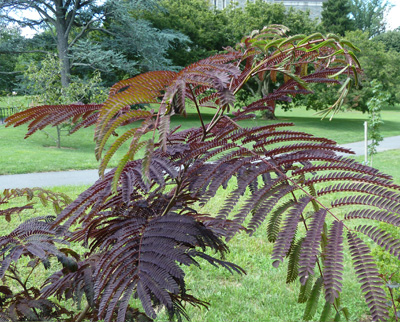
(41,116)
(275,220)
(305,290)
(310,246)
(288,230)
(367,273)
(326,312)
(294,257)
(382,238)
(312,302)
(333,263)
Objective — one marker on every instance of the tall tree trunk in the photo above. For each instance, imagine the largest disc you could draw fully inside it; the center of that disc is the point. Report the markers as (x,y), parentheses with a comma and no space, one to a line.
(62,46)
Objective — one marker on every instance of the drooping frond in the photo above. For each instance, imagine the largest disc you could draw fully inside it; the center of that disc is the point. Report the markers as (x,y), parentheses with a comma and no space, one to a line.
(312,302)
(130,187)
(367,273)
(32,195)
(305,290)
(145,256)
(382,238)
(333,262)
(41,116)
(310,246)
(275,220)
(286,234)
(293,266)
(34,237)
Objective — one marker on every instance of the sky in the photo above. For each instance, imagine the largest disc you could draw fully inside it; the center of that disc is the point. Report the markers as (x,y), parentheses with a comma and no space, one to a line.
(393,19)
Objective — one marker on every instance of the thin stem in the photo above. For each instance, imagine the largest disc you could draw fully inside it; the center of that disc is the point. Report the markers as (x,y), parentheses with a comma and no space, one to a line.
(198,110)
(27,278)
(215,119)
(19,282)
(394,304)
(172,200)
(83,313)
(391,295)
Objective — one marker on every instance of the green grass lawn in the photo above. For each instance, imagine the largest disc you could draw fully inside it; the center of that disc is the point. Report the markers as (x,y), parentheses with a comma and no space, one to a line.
(38,152)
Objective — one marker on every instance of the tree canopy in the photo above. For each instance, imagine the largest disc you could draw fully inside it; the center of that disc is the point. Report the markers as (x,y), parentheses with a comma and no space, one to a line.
(69,22)
(336,16)
(369,15)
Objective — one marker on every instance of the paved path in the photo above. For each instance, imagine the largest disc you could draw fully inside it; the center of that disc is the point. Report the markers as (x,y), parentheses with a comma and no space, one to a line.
(389,143)
(81,177)
(49,179)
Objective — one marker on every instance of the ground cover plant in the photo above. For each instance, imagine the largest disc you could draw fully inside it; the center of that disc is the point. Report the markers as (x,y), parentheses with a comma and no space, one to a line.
(139,223)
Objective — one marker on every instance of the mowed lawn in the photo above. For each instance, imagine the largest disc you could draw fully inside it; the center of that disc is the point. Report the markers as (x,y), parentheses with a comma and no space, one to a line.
(38,153)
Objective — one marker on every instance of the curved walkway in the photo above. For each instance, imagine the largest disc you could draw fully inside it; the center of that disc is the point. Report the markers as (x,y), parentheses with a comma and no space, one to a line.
(82,177)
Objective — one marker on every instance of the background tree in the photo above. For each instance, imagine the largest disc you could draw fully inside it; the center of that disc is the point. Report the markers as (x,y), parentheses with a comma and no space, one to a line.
(45,82)
(391,39)
(209,30)
(379,64)
(199,21)
(60,16)
(70,21)
(336,16)
(8,72)
(370,15)
(243,20)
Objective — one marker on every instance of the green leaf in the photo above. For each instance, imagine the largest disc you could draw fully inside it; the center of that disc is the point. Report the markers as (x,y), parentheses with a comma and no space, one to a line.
(57,208)
(147,161)
(273,43)
(102,138)
(339,72)
(349,44)
(333,36)
(305,290)
(114,147)
(125,159)
(346,313)
(118,171)
(317,35)
(293,265)
(290,40)
(322,44)
(326,312)
(355,58)
(312,303)
(338,52)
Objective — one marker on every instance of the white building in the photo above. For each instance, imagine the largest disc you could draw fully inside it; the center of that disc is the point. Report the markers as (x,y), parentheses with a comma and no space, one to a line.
(315,6)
